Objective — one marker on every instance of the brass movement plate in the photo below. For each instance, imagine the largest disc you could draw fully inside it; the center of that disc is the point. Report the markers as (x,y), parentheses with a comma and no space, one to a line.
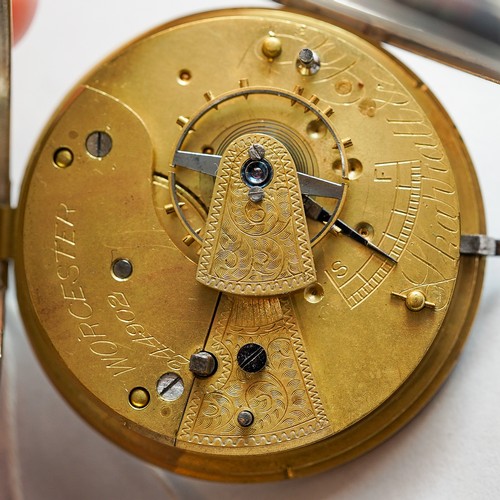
(129,262)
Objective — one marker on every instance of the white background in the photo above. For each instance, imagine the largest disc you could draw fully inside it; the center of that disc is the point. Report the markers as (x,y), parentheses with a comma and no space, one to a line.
(451,450)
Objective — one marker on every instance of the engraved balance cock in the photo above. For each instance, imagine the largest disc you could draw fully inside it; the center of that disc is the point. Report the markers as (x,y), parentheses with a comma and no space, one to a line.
(256,250)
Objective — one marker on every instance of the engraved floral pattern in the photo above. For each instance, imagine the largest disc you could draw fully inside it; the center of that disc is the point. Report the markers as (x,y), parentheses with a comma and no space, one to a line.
(282,397)
(256,248)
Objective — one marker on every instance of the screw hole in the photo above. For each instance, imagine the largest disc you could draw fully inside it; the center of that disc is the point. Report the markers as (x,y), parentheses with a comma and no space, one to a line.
(314,293)
(184,77)
(316,129)
(354,168)
(366,230)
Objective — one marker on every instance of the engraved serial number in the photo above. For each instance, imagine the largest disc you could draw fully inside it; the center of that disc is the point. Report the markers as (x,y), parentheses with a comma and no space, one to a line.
(139,334)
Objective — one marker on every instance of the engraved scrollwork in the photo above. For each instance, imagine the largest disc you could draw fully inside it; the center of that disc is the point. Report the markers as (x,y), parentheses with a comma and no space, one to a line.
(283,397)
(256,248)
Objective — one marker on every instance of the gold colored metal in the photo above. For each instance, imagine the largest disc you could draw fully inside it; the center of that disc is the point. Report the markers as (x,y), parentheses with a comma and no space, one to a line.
(347,366)
(256,249)
(363,228)
(188,240)
(314,99)
(169,207)
(347,142)
(209,96)
(283,397)
(415,300)
(63,158)
(184,76)
(7,222)
(182,121)
(299,90)
(271,46)
(139,398)
(314,293)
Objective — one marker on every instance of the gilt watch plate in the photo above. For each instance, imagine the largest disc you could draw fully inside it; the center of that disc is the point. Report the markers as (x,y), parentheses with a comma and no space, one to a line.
(238,245)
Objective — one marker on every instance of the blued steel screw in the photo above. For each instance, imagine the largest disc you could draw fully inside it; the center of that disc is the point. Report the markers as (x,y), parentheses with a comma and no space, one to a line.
(251,358)
(245,418)
(122,269)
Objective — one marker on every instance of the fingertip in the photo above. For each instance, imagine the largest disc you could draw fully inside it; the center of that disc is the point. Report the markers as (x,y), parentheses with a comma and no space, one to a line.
(22,15)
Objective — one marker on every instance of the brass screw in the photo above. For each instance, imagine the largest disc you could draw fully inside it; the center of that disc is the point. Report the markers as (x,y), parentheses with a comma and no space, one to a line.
(139,398)
(63,157)
(271,47)
(415,301)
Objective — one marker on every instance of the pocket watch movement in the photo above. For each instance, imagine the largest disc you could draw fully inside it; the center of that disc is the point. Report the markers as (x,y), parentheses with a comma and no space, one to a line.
(249,245)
